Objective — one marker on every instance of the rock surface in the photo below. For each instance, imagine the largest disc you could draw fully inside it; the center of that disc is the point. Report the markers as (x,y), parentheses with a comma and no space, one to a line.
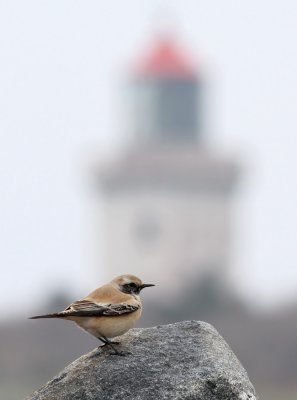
(185,361)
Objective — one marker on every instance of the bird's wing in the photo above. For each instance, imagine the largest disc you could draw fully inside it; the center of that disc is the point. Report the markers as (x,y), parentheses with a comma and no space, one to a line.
(87,308)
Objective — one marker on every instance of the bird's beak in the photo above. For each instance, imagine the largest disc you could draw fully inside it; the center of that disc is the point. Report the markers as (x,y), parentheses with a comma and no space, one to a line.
(146,285)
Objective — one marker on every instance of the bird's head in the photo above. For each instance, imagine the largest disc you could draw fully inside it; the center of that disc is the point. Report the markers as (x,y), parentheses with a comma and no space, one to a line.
(129,284)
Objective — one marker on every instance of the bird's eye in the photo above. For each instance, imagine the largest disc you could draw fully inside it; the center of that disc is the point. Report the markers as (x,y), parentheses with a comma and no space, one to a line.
(130,287)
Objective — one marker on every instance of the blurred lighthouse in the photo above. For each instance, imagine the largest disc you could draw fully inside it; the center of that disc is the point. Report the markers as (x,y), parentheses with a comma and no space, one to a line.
(166,200)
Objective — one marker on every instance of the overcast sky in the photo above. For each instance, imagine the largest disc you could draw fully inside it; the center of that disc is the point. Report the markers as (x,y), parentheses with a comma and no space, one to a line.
(61,64)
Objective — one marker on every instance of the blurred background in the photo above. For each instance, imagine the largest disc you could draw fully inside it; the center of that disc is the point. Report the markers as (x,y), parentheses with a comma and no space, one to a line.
(156,138)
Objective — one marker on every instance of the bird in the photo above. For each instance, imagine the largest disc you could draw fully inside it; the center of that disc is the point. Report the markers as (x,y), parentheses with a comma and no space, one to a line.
(109,311)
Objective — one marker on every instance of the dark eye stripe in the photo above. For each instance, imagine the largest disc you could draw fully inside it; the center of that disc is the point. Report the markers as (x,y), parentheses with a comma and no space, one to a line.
(132,285)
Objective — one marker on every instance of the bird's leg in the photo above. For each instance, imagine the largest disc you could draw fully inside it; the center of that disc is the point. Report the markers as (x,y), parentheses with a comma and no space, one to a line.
(108,342)
(103,341)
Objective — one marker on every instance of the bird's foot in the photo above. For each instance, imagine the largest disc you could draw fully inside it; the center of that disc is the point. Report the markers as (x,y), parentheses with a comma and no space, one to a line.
(121,353)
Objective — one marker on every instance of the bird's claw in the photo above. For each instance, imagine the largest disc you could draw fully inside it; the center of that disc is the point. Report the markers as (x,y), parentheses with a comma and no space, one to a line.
(121,353)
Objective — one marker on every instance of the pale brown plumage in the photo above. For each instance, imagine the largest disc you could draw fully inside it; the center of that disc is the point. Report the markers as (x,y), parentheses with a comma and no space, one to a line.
(108,311)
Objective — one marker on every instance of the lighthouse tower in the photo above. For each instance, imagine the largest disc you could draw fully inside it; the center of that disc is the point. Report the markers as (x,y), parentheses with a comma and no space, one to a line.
(166,200)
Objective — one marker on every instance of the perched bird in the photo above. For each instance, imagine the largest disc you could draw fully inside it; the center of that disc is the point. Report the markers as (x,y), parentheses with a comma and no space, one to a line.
(109,311)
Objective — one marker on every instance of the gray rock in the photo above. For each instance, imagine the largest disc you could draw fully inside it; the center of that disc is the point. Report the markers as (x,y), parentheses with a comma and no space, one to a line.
(186,361)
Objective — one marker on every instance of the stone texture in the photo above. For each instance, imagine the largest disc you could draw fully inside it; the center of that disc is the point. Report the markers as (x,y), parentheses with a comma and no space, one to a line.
(183,361)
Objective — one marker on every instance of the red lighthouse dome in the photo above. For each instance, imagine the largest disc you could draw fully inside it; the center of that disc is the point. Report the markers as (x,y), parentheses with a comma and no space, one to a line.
(165,59)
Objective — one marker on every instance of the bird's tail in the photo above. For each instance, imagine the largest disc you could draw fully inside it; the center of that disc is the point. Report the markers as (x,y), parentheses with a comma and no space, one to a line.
(54,315)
